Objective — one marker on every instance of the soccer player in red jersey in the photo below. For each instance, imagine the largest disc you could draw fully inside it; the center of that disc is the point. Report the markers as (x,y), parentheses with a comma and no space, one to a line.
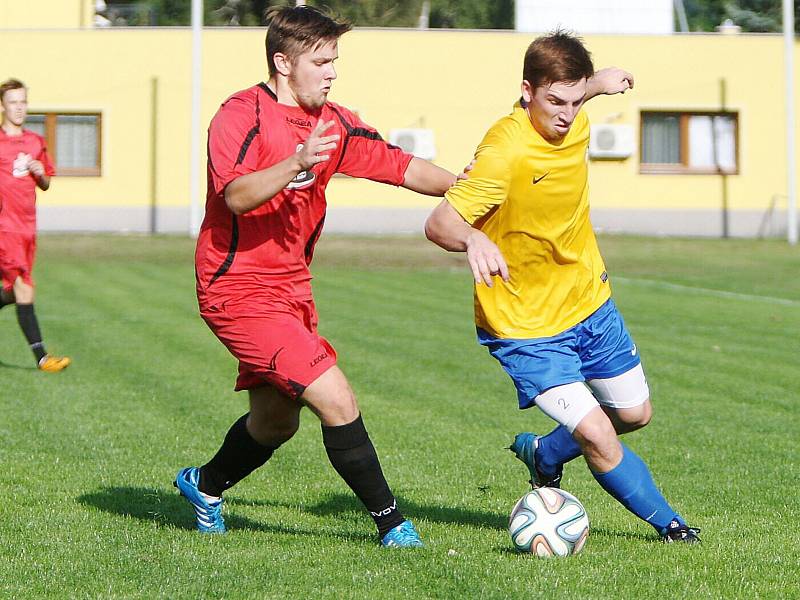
(272,149)
(24,166)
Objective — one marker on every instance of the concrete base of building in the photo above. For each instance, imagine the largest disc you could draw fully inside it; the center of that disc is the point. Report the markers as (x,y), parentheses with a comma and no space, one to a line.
(370,221)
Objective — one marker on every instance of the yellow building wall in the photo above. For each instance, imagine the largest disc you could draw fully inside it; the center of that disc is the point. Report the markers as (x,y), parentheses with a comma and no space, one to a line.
(45,14)
(456,83)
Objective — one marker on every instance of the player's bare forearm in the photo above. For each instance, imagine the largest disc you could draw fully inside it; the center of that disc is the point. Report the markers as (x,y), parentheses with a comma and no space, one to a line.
(426,178)
(610,80)
(445,228)
(250,191)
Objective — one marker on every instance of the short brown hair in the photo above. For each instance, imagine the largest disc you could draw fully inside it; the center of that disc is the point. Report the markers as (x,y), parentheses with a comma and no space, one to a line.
(10,84)
(295,29)
(558,56)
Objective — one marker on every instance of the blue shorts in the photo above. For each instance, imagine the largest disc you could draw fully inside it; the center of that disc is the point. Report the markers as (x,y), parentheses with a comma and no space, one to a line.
(599,347)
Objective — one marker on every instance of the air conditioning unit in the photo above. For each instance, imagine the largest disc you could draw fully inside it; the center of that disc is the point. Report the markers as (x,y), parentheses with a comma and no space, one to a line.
(418,142)
(611,141)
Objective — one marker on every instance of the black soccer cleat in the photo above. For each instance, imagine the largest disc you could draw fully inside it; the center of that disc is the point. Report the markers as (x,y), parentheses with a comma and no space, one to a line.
(681,533)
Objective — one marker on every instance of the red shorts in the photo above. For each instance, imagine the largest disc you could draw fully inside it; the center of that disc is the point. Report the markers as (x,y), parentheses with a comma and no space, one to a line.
(274,338)
(17,251)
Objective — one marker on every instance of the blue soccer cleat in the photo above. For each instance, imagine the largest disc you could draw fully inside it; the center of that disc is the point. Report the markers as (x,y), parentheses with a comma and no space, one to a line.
(208,513)
(524,447)
(402,536)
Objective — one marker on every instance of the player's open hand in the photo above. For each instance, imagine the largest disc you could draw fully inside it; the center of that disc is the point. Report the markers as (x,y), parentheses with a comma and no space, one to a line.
(612,80)
(318,146)
(485,259)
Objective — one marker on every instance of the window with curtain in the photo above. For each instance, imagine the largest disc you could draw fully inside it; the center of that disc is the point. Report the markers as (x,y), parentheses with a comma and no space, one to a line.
(689,142)
(73,140)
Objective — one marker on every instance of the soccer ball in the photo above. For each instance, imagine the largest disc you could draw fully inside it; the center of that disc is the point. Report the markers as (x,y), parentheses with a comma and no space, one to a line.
(549,522)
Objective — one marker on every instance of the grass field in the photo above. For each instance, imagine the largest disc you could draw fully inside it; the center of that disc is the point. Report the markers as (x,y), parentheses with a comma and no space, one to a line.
(88,456)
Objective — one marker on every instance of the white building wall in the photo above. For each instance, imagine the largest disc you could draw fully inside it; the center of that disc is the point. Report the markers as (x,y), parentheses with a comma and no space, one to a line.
(596,16)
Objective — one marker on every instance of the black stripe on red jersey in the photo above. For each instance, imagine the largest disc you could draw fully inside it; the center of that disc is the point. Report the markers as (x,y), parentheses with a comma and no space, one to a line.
(309,251)
(226,264)
(250,134)
(357,131)
(265,87)
(231,252)
(354,131)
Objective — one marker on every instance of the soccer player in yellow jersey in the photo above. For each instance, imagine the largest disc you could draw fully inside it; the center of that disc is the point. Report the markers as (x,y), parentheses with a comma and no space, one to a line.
(543,302)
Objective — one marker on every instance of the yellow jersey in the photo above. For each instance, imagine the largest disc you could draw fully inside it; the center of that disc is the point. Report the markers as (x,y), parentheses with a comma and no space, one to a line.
(531,198)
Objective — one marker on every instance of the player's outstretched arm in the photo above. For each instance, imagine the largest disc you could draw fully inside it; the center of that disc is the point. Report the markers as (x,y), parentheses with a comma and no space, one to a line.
(426,178)
(610,80)
(446,228)
(250,191)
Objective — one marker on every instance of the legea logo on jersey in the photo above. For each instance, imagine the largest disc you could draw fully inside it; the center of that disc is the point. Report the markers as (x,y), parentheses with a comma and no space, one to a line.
(20,168)
(303,178)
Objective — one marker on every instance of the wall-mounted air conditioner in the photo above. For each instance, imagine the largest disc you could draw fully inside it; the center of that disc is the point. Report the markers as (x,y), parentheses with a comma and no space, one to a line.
(418,142)
(611,141)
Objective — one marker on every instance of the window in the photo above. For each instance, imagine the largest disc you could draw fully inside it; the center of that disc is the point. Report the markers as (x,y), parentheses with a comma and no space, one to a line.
(690,142)
(73,141)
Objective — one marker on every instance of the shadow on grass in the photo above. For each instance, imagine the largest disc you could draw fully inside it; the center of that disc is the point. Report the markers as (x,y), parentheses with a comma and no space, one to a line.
(5,365)
(168,509)
(342,503)
(171,510)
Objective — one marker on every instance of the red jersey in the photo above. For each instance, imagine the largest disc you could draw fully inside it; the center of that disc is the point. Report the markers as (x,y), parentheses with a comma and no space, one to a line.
(273,244)
(17,183)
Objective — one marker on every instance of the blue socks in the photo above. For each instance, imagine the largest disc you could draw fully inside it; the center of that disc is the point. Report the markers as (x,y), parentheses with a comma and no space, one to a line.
(555,449)
(631,484)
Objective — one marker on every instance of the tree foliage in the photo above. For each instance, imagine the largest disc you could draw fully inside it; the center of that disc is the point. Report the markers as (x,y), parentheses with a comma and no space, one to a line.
(750,15)
(464,14)
(703,15)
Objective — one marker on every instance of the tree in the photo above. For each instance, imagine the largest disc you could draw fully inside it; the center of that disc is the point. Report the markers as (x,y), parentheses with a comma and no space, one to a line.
(703,15)
(466,14)
(750,15)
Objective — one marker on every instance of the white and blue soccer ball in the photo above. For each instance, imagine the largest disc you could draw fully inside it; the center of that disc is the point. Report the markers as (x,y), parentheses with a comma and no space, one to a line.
(549,522)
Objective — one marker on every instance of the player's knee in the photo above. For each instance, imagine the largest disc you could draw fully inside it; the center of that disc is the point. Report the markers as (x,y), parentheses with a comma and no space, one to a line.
(332,399)
(596,434)
(340,405)
(23,293)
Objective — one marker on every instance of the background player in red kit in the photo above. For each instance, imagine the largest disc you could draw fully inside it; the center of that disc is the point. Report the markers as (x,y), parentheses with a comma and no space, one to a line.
(24,165)
(272,150)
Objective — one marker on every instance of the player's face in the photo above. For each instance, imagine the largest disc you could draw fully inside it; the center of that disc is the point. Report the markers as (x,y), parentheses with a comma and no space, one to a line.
(312,74)
(552,107)
(15,106)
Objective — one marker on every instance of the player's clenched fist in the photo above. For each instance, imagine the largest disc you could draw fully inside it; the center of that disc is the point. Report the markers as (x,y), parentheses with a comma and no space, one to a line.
(317,146)
(36,167)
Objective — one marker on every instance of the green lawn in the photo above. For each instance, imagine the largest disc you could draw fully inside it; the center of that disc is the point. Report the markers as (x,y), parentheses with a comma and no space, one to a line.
(87,456)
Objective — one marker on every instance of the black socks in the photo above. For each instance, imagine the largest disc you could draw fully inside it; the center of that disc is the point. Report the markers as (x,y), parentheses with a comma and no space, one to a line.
(30,327)
(353,456)
(239,456)
(349,449)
